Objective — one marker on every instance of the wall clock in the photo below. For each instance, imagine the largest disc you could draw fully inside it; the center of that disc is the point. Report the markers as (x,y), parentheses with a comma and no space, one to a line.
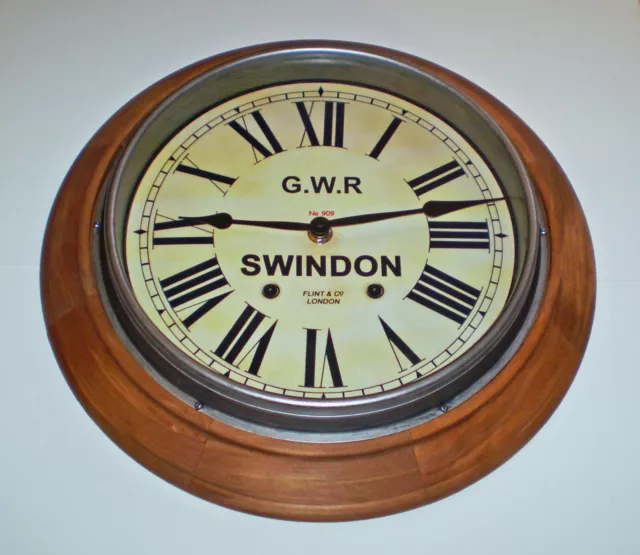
(317,280)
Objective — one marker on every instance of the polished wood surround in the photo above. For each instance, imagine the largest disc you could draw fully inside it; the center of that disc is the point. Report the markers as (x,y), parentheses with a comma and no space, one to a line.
(307,481)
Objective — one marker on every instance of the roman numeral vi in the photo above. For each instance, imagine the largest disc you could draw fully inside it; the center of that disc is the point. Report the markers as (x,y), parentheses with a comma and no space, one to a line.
(329,362)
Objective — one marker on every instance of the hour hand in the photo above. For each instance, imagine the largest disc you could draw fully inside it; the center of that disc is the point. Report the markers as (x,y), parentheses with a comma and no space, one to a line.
(222,220)
(437,208)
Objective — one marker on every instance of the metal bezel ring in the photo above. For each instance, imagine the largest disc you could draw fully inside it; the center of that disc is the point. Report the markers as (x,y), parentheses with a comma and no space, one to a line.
(305,419)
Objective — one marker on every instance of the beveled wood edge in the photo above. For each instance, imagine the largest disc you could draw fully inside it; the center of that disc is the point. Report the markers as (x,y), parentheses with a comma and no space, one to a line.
(190,450)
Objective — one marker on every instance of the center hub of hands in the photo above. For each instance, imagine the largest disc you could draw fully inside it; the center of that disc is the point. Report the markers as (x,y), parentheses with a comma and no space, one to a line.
(320,231)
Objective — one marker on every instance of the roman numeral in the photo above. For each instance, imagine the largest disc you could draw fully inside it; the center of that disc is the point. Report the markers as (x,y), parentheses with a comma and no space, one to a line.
(195,284)
(386,137)
(444,294)
(237,338)
(329,361)
(436,178)
(180,240)
(252,140)
(215,178)
(333,126)
(459,235)
(399,346)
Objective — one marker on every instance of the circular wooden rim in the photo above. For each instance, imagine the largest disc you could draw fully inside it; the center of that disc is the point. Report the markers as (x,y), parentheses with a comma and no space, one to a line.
(308,481)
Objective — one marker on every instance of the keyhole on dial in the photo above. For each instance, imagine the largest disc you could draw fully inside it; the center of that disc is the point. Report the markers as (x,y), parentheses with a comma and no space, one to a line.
(375,290)
(271,291)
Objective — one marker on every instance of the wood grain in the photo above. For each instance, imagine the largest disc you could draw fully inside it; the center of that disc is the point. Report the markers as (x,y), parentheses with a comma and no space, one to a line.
(304,481)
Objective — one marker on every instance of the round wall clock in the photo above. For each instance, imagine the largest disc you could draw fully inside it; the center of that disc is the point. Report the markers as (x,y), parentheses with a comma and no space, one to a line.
(317,280)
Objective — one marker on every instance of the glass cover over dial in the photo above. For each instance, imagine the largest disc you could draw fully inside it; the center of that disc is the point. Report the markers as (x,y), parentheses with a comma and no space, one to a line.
(320,240)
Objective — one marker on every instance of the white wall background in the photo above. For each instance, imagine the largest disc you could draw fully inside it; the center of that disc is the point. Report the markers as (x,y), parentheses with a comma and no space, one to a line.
(569,68)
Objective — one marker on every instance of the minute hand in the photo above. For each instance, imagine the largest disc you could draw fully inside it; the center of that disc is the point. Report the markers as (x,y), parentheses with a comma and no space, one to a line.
(432,209)
(368,218)
(437,208)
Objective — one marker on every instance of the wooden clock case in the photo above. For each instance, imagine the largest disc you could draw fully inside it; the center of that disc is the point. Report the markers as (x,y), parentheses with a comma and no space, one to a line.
(302,480)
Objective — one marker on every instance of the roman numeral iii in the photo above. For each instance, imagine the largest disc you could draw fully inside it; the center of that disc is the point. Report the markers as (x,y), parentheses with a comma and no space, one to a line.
(244,132)
(459,235)
(329,363)
(195,284)
(239,336)
(444,294)
(333,123)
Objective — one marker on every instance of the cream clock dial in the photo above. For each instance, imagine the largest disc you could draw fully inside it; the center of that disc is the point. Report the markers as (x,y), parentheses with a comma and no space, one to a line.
(320,240)
(309,244)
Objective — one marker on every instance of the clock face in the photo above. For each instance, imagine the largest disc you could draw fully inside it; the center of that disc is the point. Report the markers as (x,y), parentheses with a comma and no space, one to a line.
(320,240)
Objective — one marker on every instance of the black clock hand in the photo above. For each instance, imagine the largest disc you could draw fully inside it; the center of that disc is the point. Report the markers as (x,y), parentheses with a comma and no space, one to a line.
(437,208)
(432,209)
(368,218)
(223,220)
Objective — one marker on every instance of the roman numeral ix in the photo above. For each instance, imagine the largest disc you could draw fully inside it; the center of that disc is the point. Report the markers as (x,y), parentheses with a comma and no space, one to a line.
(444,294)
(161,239)
(333,126)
